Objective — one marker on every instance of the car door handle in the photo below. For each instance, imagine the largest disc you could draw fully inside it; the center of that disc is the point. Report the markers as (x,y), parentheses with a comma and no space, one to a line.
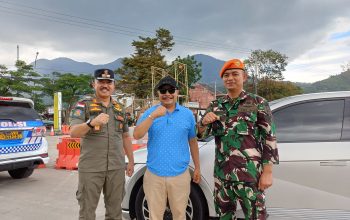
(333,163)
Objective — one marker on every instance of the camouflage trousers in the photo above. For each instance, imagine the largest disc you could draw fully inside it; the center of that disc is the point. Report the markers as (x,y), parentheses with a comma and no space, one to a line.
(251,199)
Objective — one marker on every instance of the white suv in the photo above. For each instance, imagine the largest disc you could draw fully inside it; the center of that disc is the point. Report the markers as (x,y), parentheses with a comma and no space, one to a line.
(312,180)
(22,142)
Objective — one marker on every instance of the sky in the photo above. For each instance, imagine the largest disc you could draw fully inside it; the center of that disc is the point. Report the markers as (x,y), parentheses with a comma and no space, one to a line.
(314,34)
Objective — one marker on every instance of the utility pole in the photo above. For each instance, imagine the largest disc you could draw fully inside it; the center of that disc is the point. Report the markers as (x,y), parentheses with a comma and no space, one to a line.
(181,68)
(17,52)
(36,57)
(255,78)
(215,89)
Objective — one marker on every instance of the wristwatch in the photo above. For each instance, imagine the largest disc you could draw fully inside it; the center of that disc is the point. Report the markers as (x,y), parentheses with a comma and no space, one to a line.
(88,122)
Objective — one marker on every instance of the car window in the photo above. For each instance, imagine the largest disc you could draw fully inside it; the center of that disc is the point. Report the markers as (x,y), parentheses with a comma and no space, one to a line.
(310,121)
(17,111)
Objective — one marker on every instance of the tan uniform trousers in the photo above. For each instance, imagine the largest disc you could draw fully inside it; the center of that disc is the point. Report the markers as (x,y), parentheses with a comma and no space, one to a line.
(89,191)
(158,189)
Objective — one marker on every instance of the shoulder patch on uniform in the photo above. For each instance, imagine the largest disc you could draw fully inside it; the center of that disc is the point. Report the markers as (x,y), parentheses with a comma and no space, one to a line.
(86,98)
(77,112)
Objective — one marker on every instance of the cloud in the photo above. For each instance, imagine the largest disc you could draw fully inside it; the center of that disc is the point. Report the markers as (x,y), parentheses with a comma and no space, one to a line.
(102,31)
(325,58)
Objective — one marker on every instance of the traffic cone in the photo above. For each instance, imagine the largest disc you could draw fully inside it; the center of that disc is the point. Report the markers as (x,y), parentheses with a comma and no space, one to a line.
(52,133)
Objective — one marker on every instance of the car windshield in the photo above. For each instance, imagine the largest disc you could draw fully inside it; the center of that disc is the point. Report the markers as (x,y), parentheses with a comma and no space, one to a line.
(17,111)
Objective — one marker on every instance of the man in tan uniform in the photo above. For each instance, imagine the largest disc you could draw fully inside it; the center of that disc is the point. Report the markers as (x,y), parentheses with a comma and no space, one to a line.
(101,124)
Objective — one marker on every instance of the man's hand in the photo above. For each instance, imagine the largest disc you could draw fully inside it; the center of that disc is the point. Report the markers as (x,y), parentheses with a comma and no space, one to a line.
(196,175)
(129,169)
(160,111)
(210,117)
(101,119)
(265,180)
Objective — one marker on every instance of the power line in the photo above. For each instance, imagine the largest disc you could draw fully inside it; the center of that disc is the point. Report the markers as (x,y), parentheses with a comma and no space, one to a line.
(115,25)
(70,22)
(132,32)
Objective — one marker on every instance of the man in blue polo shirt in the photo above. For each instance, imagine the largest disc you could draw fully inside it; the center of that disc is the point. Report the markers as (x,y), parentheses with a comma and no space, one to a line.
(171,138)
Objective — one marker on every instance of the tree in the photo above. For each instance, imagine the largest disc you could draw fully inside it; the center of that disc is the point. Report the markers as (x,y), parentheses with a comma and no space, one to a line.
(346,66)
(135,74)
(5,81)
(270,65)
(23,82)
(273,89)
(71,86)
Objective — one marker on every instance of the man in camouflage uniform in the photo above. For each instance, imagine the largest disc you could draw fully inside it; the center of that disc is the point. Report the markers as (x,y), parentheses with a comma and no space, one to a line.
(130,120)
(245,146)
(100,122)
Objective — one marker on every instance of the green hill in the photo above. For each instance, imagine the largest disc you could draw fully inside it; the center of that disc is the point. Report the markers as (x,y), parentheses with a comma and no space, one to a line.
(339,82)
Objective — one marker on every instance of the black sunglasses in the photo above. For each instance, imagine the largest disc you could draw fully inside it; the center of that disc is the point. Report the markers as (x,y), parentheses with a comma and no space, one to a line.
(171,91)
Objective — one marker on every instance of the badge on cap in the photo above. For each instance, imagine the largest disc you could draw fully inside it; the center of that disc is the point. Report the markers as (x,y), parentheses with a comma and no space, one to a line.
(237,63)
(105,74)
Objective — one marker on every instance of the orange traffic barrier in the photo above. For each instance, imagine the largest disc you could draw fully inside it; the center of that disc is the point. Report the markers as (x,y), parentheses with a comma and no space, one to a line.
(137,144)
(68,153)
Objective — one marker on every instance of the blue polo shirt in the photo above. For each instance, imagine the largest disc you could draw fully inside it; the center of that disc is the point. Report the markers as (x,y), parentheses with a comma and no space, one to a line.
(167,146)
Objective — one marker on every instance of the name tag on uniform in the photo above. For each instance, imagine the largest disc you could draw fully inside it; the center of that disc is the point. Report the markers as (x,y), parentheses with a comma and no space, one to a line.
(248,107)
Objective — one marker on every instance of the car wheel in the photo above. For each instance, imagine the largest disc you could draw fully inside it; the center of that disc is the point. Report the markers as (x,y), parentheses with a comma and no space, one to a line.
(196,207)
(21,172)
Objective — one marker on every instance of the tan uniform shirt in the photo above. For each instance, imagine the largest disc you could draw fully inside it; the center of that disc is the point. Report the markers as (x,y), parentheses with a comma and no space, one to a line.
(101,149)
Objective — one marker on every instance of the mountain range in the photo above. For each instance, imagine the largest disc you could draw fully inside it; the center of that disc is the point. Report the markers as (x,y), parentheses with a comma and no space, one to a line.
(210,69)
(66,65)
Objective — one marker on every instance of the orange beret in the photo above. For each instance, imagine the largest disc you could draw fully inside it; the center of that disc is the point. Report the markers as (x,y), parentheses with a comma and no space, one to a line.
(232,64)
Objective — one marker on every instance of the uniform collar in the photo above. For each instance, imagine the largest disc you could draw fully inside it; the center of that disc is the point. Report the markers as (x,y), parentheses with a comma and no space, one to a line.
(243,95)
(98,101)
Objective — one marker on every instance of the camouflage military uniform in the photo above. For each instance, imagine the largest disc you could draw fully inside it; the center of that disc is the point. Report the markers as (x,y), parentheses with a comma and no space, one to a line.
(245,141)
(102,160)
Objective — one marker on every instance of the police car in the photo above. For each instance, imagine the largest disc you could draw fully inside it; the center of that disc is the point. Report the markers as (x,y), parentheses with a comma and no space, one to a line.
(22,143)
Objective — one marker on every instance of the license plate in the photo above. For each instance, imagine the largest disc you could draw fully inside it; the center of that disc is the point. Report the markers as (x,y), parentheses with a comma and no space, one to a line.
(11,135)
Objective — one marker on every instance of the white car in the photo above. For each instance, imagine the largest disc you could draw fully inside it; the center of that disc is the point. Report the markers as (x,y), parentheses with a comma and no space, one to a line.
(22,142)
(312,180)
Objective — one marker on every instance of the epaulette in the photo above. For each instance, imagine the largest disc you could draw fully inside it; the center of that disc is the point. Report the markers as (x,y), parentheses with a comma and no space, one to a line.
(87,98)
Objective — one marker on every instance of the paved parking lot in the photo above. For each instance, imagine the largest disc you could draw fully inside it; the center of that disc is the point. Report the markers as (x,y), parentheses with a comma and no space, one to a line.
(47,194)
(50,194)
